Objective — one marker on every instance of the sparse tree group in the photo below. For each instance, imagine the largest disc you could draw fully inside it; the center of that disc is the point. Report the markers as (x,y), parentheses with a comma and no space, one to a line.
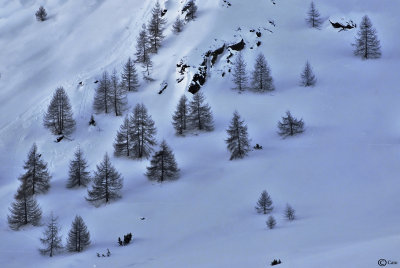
(261,79)
(190,13)
(110,95)
(78,237)
(264,206)
(25,210)
(193,115)
(150,38)
(135,137)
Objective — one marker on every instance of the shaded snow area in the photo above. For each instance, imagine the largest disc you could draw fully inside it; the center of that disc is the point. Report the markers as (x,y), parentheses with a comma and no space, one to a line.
(341,175)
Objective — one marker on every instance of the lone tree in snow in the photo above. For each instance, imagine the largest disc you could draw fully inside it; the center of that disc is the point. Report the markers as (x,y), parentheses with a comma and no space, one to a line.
(200,115)
(177,27)
(122,143)
(51,239)
(271,222)
(239,73)
(117,95)
(130,80)
(143,50)
(78,174)
(36,177)
(290,213)
(155,28)
(261,76)
(78,236)
(102,102)
(238,141)
(367,44)
(290,125)
(24,210)
(41,14)
(191,9)
(180,117)
(163,166)
(313,17)
(307,76)
(142,132)
(59,118)
(107,183)
(264,204)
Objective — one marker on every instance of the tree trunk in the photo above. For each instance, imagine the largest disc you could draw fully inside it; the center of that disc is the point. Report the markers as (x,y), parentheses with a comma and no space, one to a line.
(238,137)
(107,194)
(198,115)
(162,167)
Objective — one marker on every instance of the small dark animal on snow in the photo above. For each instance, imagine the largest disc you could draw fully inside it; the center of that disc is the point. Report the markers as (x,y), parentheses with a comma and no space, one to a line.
(275,262)
(92,122)
(272,22)
(258,147)
(96,81)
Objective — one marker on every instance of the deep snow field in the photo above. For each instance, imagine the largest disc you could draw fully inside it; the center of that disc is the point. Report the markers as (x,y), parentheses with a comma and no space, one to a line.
(341,175)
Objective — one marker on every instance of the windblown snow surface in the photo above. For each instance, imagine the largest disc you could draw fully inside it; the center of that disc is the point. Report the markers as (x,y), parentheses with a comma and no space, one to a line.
(341,175)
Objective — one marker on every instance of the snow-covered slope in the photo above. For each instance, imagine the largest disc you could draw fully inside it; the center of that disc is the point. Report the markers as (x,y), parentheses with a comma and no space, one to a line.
(340,175)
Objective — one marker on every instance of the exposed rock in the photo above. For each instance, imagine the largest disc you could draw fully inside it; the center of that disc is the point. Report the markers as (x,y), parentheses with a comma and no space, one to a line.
(349,25)
(238,46)
(163,85)
(216,53)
